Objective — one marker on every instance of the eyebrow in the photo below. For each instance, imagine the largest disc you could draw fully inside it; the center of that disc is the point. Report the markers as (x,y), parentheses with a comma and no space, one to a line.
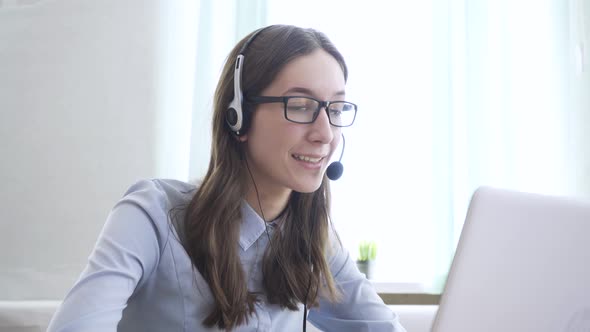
(309,92)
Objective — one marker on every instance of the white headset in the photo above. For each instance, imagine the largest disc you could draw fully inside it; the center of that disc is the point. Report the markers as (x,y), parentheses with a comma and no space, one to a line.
(236,118)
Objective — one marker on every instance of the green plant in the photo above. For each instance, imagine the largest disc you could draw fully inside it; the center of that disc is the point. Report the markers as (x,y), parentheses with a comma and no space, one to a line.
(367,251)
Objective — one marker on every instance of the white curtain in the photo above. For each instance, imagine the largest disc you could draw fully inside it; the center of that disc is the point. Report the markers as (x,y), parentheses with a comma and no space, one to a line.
(515,99)
(221,24)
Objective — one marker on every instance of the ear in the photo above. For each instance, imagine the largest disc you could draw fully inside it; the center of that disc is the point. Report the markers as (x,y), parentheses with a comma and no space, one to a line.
(242,138)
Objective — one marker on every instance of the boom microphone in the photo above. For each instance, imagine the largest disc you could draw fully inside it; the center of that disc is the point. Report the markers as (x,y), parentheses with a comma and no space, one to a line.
(335,169)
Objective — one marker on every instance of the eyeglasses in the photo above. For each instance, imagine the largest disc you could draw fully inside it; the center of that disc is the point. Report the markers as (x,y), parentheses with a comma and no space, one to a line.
(306,109)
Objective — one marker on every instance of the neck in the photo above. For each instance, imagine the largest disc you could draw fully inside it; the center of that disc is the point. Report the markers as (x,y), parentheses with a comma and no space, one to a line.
(272,202)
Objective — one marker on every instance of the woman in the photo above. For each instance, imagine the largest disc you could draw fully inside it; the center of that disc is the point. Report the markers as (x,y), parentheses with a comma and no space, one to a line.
(251,246)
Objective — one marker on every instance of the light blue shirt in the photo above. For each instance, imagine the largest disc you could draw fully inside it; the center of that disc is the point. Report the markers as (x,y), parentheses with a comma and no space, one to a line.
(140,278)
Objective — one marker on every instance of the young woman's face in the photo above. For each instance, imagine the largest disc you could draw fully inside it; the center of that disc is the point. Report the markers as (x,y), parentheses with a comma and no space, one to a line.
(283,155)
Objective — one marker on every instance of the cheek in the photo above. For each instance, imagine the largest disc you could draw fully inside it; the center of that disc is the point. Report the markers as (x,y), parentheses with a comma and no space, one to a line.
(337,143)
(276,132)
(269,142)
(266,124)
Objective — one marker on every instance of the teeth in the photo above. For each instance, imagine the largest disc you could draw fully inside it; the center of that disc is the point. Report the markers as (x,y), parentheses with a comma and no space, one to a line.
(308,159)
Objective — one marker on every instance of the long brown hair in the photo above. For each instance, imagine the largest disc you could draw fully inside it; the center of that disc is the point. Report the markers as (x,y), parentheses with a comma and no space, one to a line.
(212,222)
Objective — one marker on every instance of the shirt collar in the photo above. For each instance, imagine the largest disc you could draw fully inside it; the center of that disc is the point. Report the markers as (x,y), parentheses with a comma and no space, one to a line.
(252,226)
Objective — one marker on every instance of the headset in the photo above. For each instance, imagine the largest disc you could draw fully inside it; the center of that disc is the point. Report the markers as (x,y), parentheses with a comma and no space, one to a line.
(238,120)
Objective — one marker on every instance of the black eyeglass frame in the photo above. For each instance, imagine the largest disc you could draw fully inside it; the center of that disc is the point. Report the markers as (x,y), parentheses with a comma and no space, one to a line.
(321,104)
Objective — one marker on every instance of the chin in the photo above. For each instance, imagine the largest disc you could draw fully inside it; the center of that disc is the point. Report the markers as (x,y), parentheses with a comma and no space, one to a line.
(307,187)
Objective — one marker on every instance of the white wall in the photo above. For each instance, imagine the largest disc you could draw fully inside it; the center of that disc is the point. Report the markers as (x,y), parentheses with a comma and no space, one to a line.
(89,103)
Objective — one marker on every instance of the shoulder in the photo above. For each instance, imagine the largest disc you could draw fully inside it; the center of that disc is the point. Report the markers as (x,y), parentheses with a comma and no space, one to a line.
(157,197)
(334,247)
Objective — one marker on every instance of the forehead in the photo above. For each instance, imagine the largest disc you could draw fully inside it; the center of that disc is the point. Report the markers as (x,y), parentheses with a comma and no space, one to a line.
(318,72)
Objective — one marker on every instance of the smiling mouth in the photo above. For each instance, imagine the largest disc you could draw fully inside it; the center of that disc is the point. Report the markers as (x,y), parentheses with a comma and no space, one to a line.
(307,159)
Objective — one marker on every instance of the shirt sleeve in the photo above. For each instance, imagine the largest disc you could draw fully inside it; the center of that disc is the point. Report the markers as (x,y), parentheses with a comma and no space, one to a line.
(360,308)
(126,253)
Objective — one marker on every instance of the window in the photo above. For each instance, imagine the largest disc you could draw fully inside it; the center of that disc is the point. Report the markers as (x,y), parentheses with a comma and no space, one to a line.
(451,96)
(387,191)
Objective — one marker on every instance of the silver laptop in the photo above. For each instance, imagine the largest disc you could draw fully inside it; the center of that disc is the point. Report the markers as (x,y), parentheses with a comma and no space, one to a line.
(522,264)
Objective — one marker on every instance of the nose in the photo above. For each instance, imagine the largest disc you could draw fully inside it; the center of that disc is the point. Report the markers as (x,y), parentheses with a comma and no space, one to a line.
(321,129)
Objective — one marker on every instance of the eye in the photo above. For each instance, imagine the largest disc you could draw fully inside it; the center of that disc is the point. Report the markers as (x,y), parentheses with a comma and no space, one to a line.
(297,108)
(335,112)
(336,109)
(301,105)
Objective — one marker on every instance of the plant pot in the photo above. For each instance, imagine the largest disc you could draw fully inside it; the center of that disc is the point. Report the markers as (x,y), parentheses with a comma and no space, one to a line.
(367,268)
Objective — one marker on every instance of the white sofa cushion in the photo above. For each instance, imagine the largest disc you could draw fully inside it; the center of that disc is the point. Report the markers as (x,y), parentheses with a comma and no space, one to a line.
(414,318)
(34,316)
(26,316)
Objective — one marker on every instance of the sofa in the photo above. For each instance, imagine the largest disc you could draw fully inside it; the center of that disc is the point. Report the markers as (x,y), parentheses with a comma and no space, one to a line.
(34,316)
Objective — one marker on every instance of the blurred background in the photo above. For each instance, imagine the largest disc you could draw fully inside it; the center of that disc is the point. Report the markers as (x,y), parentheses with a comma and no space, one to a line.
(452,95)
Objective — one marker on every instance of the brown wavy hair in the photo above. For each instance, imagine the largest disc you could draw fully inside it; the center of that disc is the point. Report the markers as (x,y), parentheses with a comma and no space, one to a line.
(211,225)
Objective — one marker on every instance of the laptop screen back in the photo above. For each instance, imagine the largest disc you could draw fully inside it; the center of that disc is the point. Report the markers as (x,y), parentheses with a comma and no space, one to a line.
(522,264)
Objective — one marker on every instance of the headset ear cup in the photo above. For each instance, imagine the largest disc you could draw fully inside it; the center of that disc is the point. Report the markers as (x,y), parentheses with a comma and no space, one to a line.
(231,117)
(234,118)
